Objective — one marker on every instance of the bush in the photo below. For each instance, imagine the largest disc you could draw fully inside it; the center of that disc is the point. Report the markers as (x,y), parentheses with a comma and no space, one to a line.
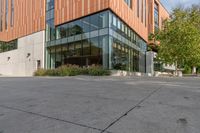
(98,71)
(69,70)
(187,70)
(40,72)
(73,70)
(52,72)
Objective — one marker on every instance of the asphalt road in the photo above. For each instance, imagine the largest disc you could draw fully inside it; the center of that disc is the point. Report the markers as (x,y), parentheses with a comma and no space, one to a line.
(99,105)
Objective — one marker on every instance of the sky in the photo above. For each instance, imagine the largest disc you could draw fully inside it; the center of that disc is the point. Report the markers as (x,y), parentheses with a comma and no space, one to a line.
(170,4)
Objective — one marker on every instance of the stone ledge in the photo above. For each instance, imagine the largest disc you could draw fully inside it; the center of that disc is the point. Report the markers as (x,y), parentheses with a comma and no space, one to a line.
(127,73)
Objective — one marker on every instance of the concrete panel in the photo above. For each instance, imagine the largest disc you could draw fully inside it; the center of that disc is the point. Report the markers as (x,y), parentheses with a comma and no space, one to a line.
(23,61)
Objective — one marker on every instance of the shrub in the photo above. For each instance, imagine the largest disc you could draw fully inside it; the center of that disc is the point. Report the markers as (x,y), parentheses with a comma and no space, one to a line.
(40,72)
(52,72)
(73,70)
(187,70)
(69,70)
(98,71)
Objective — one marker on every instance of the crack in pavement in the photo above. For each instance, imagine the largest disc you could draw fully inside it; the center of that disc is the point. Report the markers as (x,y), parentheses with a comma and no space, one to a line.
(131,109)
(52,118)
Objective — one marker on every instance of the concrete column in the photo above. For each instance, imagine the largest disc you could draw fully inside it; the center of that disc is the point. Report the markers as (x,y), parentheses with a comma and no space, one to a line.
(150,62)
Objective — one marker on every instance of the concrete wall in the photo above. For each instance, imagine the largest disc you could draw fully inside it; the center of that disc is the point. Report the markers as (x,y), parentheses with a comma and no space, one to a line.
(23,61)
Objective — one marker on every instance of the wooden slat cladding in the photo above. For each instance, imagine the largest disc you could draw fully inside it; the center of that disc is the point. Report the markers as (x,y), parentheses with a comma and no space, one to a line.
(67,10)
(29,17)
(129,15)
(163,15)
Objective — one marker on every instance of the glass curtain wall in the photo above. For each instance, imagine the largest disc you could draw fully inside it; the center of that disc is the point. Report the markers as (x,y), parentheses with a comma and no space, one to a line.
(101,39)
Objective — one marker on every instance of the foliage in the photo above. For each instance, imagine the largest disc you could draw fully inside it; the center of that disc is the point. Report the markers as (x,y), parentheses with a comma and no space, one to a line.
(187,70)
(40,72)
(198,70)
(98,71)
(73,70)
(180,38)
(69,70)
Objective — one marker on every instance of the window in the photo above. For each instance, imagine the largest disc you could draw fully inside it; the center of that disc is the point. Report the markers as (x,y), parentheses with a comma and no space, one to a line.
(1,15)
(145,12)
(94,46)
(86,48)
(6,16)
(129,3)
(50,28)
(86,24)
(142,11)
(78,49)
(50,5)
(12,14)
(50,31)
(119,24)
(94,22)
(138,8)
(8,46)
(78,27)
(103,20)
(114,20)
(156,17)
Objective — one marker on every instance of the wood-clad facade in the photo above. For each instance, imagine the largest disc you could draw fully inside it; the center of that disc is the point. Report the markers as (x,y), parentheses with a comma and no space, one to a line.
(72,9)
(29,15)
(28,18)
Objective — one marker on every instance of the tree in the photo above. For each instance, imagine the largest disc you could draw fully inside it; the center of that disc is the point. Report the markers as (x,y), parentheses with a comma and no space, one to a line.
(180,38)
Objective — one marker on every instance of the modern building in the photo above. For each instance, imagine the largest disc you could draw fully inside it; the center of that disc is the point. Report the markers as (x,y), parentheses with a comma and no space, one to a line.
(50,33)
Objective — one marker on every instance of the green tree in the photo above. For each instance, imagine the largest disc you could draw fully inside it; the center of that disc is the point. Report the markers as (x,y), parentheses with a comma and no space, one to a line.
(180,38)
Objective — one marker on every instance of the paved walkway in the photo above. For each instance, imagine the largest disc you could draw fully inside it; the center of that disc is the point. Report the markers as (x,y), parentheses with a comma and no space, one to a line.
(99,105)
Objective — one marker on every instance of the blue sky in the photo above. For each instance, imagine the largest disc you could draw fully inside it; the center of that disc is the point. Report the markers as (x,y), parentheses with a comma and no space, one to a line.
(173,3)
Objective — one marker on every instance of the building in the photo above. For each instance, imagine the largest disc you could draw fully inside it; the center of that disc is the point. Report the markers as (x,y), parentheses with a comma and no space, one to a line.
(50,33)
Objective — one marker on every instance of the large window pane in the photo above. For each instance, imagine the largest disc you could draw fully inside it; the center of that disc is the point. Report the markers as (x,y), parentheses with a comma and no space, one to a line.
(64,54)
(78,27)
(58,62)
(78,49)
(70,29)
(52,57)
(86,48)
(96,57)
(103,20)
(94,22)
(95,46)
(86,24)
(50,4)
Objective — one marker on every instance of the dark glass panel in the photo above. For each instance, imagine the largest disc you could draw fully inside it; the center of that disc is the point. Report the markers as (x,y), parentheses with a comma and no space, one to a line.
(86,48)
(78,27)
(86,24)
(58,61)
(95,46)
(94,22)
(50,4)
(103,20)
(78,49)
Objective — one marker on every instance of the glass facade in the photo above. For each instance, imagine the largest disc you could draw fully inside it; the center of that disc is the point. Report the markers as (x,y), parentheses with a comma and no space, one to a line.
(50,28)
(8,46)
(101,39)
